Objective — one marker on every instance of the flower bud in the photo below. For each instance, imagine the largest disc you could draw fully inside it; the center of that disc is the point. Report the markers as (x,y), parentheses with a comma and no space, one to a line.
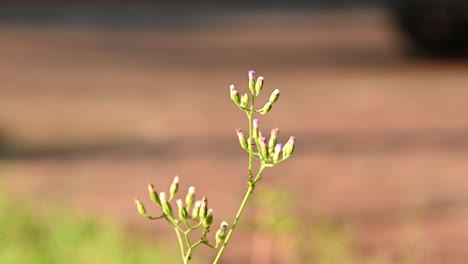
(234,95)
(153,194)
(204,208)
(221,233)
(183,214)
(208,219)
(266,108)
(242,140)
(273,139)
(288,148)
(196,210)
(274,96)
(263,147)
(165,206)
(162,197)
(140,207)
(190,198)
(174,188)
(256,132)
(244,101)
(252,81)
(277,152)
(259,85)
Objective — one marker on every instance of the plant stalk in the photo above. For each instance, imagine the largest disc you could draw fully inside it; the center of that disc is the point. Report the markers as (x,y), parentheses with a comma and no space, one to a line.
(239,212)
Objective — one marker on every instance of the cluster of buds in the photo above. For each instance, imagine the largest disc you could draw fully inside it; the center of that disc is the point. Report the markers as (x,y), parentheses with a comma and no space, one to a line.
(268,149)
(255,87)
(199,209)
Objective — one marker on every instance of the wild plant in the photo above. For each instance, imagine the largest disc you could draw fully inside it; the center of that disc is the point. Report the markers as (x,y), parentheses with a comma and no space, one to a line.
(193,214)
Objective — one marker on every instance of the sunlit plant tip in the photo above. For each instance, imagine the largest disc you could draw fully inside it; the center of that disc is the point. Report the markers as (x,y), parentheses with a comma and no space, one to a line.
(183,215)
(244,100)
(274,96)
(208,219)
(221,233)
(204,208)
(190,198)
(266,108)
(273,139)
(162,197)
(174,187)
(140,207)
(153,194)
(196,210)
(165,205)
(252,81)
(263,147)
(256,131)
(259,85)
(242,140)
(277,152)
(234,94)
(288,148)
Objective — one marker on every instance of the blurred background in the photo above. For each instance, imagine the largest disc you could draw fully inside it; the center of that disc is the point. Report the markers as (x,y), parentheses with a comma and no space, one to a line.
(98,98)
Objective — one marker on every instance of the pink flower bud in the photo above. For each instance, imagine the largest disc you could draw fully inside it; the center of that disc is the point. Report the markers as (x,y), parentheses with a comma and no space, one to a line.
(256,133)
(251,74)
(256,122)
(288,148)
(273,139)
(259,85)
(277,152)
(263,147)
(242,140)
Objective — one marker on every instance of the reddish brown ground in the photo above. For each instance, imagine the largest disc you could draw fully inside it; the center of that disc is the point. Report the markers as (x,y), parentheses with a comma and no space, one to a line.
(92,115)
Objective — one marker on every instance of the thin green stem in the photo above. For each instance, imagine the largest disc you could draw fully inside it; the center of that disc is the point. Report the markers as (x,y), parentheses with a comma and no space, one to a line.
(181,244)
(187,238)
(250,110)
(197,226)
(189,251)
(177,229)
(250,150)
(250,141)
(239,213)
(209,245)
(153,218)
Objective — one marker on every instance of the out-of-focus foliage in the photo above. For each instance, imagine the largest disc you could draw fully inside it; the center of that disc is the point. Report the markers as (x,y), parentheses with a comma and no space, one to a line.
(275,211)
(28,235)
(309,239)
(325,242)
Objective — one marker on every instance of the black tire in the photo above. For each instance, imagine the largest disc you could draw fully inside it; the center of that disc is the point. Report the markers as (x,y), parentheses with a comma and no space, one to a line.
(434,27)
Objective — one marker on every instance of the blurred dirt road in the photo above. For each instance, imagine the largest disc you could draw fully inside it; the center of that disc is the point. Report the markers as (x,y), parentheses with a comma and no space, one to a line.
(90,115)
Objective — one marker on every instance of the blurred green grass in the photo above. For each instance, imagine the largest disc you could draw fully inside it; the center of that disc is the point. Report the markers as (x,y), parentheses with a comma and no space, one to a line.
(32,235)
(318,239)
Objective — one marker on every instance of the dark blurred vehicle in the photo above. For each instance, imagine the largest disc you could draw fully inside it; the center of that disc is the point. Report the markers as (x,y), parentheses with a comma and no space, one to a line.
(431,26)
(434,26)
